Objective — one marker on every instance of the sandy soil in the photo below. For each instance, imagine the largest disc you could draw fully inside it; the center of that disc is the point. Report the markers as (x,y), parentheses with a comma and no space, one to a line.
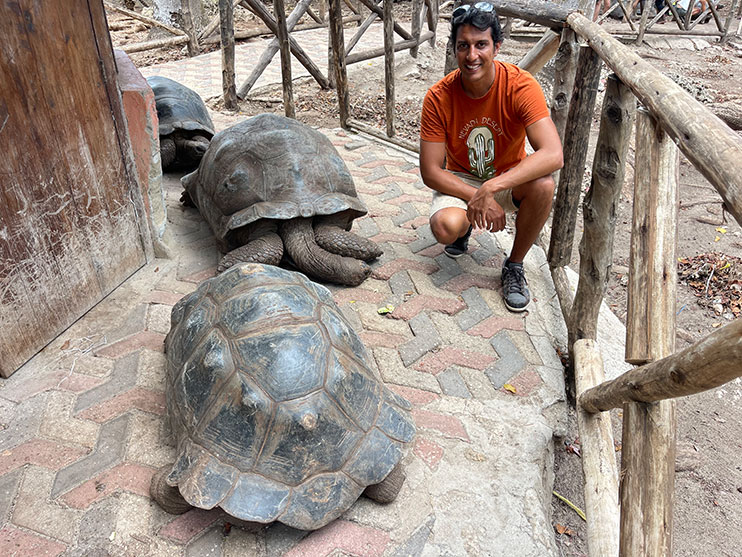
(708,509)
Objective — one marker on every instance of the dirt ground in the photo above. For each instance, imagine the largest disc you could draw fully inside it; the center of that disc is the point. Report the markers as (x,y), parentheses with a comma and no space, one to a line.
(708,507)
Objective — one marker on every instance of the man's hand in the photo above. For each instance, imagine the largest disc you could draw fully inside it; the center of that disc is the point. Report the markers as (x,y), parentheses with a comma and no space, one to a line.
(484,212)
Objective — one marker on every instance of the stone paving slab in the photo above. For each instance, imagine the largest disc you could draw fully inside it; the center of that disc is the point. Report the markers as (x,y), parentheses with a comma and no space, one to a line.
(83,424)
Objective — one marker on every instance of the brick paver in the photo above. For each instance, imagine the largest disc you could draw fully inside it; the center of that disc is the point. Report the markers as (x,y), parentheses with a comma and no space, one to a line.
(84,432)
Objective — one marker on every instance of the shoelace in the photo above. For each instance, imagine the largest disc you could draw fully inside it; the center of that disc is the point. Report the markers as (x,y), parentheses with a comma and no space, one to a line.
(515,280)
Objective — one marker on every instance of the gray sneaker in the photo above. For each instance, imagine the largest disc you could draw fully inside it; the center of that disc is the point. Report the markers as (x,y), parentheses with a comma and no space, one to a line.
(514,286)
(459,247)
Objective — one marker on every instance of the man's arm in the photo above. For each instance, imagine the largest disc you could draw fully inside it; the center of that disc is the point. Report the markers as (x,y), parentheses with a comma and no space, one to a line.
(432,159)
(483,211)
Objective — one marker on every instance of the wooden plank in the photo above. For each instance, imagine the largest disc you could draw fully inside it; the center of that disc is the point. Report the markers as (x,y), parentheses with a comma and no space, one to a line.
(226,33)
(599,207)
(707,364)
(282,35)
(713,148)
(598,457)
(71,212)
(576,136)
(341,75)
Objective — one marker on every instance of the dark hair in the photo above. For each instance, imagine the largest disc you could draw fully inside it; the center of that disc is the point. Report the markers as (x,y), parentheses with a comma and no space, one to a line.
(482,20)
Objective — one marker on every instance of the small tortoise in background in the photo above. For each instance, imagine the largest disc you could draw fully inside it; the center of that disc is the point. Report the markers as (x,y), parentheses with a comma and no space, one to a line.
(276,414)
(270,182)
(185,126)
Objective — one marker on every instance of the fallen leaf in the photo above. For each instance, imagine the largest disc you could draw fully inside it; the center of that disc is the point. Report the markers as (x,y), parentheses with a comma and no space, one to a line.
(564,530)
(509,387)
(716,325)
(386,309)
(65,346)
(721,230)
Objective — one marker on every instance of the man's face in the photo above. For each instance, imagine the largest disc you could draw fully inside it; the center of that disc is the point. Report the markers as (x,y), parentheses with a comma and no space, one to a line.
(475,52)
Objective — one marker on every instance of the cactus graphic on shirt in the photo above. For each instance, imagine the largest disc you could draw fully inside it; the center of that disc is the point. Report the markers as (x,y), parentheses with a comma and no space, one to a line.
(481,146)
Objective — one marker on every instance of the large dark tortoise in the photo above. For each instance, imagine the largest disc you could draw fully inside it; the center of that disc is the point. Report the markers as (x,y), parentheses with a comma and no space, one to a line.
(185,127)
(277,416)
(270,182)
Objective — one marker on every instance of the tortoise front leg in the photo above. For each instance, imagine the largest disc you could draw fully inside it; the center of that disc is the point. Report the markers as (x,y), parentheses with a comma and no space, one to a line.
(335,239)
(267,249)
(192,148)
(298,237)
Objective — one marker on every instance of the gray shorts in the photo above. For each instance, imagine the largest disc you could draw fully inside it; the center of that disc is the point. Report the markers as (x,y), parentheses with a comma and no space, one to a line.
(442,201)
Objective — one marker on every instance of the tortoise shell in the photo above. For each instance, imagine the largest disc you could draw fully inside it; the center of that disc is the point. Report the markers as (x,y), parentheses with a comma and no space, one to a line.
(277,414)
(179,108)
(271,167)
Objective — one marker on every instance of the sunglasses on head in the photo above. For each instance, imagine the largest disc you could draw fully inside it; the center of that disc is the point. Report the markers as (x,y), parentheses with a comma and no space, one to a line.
(479,6)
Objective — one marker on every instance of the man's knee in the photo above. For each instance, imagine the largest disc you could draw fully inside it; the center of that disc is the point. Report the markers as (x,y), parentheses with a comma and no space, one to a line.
(446,228)
(540,191)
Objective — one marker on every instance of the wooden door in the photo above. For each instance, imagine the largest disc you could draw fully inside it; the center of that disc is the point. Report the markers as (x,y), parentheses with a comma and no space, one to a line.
(72,224)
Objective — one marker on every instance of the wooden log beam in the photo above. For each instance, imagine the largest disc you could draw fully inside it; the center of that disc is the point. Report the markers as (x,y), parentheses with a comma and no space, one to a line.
(599,207)
(337,42)
(359,33)
(707,364)
(576,136)
(259,9)
(401,31)
(376,52)
(713,148)
(226,33)
(240,35)
(271,49)
(389,65)
(540,12)
(159,43)
(599,468)
(282,34)
(144,19)
(541,53)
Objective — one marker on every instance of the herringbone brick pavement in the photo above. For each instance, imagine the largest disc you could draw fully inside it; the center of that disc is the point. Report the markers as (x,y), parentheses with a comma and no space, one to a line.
(83,424)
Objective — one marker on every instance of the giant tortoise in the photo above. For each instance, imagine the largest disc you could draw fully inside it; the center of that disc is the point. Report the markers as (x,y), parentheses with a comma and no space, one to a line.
(276,414)
(270,182)
(185,127)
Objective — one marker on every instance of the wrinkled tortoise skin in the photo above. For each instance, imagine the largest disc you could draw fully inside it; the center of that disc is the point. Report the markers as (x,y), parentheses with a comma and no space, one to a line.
(277,415)
(180,110)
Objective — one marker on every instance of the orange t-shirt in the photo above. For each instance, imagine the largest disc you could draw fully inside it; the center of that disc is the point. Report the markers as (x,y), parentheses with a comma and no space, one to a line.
(485,136)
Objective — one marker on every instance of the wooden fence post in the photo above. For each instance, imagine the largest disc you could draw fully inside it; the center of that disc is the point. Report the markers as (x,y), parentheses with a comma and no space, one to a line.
(599,208)
(188,27)
(389,65)
(418,7)
(282,35)
(226,30)
(598,457)
(341,76)
(648,458)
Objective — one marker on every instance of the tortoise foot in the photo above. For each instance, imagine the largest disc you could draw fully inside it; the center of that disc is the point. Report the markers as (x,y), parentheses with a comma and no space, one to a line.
(387,490)
(168,497)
